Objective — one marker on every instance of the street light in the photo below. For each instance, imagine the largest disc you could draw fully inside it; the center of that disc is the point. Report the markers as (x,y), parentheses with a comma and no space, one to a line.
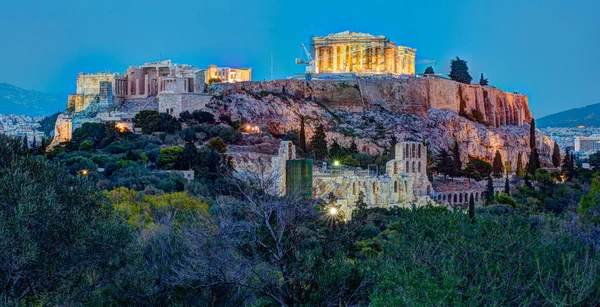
(333,211)
(336,163)
(84,172)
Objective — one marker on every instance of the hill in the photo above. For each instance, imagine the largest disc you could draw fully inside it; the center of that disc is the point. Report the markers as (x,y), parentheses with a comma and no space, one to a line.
(588,116)
(15,100)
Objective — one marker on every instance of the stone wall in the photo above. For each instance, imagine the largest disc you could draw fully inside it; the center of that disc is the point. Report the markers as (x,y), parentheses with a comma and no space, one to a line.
(174,104)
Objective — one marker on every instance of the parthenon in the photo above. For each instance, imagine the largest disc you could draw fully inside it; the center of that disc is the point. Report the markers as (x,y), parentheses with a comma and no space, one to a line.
(361,53)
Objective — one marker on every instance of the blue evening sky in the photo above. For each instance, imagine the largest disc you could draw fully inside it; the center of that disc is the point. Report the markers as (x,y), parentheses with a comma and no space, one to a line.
(545,49)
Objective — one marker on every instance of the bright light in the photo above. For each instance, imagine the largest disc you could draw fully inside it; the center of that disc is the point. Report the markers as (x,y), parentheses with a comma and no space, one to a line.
(336,163)
(248,127)
(333,211)
(84,172)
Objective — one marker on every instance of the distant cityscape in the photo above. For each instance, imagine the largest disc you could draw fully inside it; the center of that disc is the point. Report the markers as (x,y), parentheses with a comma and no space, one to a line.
(22,126)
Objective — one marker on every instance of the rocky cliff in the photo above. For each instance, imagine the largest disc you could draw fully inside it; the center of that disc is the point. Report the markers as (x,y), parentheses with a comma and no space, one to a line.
(371,110)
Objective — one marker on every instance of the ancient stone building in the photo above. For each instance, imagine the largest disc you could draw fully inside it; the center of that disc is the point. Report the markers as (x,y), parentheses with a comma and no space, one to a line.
(404,182)
(153,78)
(361,53)
(96,88)
(227,74)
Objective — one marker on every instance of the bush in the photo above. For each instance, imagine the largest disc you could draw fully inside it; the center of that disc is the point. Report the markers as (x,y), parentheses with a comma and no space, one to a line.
(226,133)
(217,145)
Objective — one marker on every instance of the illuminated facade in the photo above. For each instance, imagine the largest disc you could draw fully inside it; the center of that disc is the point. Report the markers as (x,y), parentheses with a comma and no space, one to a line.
(361,53)
(227,74)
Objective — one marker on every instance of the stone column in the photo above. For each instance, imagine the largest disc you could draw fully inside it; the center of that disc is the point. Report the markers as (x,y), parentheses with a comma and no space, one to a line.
(146,87)
(317,59)
(335,63)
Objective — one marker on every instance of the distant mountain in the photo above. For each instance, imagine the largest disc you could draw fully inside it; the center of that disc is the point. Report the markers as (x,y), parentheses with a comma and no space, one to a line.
(588,116)
(15,100)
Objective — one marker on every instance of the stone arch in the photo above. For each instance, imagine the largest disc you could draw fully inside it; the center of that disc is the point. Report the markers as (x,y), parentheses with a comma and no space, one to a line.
(419,152)
(407,167)
(406,152)
(460,197)
(419,169)
(413,151)
(471,196)
(444,197)
(455,198)
(414,166)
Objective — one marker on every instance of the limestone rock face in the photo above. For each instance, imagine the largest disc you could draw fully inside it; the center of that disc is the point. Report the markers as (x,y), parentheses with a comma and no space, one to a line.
(371,110)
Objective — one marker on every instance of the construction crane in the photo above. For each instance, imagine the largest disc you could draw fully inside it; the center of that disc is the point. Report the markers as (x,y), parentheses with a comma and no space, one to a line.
(309,62)
(425,61)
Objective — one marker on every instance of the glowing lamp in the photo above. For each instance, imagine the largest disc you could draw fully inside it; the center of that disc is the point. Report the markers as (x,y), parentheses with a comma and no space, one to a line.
(336,163)
(333,211)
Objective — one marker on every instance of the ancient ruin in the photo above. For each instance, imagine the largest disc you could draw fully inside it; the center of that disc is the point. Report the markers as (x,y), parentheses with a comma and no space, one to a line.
(361,53)
(228,74)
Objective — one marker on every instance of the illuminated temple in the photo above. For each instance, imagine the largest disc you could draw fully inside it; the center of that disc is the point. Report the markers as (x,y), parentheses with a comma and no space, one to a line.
(361,53)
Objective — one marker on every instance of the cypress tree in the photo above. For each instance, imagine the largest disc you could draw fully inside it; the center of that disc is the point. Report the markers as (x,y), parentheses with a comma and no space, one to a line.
(457,164)
(483,81)
(393,142)
(489,192)
(459,71)
(318,143)
(471,208)
(519,170)
(497,165)
(532,134)
(302,134)
(556,155)
(353,147)
(444,164)
(506,186)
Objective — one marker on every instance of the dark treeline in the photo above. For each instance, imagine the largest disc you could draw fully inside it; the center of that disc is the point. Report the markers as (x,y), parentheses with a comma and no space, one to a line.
(66,242)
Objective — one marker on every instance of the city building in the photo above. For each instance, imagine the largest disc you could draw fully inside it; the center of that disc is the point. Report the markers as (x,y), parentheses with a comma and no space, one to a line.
(590,144)
(361,53)
(228,74)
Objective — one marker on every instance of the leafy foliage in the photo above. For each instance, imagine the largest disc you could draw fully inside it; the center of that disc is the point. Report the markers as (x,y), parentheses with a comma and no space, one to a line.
(459,71)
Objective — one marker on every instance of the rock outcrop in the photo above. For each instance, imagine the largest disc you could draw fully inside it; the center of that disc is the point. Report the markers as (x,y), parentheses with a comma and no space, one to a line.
(371,110)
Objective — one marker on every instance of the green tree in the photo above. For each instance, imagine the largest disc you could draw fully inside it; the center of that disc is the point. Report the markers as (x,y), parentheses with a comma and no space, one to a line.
(483,81)
(589,205)
(86,145)
(457,164)
(594,160)
(506,186)
(335,150)
(568,167)
(360,211)
(429,71)
(519,170)
(497,165)
(472,208)
(444,164)
(478,169)
(217,145)
(318,143)
(556,155)
(59,244)
(148,121)
(489,191)
(534,158)
(169,157)
(302,134)
(459,71)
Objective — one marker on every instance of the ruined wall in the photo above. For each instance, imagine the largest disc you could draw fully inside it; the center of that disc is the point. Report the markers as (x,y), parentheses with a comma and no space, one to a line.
(89,84)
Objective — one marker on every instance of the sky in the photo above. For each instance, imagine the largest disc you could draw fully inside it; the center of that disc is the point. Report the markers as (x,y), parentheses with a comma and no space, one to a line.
(543,48)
